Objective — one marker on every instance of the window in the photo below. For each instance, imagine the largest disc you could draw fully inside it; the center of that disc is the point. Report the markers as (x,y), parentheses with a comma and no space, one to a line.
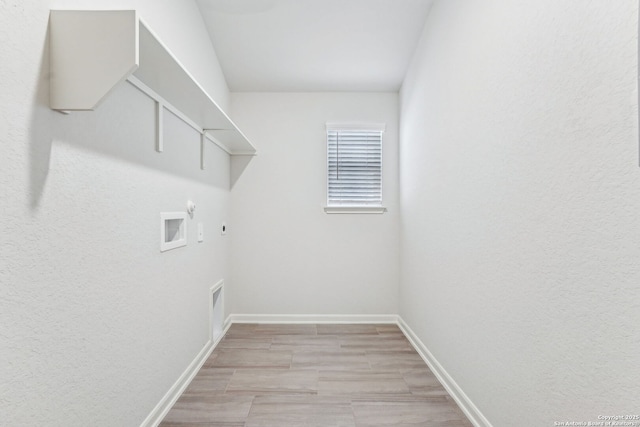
(354,168)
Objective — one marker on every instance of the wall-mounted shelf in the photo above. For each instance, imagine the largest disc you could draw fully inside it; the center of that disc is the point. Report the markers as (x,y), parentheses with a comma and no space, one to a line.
(94,51)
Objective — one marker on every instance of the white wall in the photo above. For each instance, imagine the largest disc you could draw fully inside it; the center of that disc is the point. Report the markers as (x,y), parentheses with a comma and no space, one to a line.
(289,257)
(520,193)
(95,323)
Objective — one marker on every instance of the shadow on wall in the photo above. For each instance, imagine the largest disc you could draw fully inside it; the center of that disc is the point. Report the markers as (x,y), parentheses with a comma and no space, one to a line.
(40,137)
(122,127)
(238,165)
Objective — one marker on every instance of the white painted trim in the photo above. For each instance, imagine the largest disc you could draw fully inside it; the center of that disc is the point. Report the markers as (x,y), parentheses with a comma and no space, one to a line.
(159,127)
(162,408)
(355,209)
(216,142)
(138,84)
(182,241)
(313,318)
(470,410)
(215,288)
(373,127)
(244,153)
(228,322)
(203,139)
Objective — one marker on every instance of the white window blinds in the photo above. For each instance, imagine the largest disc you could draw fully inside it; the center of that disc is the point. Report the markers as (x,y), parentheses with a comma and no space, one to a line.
(354,165)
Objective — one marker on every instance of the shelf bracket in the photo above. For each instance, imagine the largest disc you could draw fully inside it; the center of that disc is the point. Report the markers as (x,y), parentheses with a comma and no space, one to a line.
(203,140)
(159,127)
(92,52)
(215,140)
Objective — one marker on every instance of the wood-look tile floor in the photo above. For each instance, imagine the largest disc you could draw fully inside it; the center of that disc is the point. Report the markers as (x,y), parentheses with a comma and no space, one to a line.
(314,375)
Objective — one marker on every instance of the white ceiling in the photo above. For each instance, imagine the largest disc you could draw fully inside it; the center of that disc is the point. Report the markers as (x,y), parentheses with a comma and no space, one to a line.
(314,45)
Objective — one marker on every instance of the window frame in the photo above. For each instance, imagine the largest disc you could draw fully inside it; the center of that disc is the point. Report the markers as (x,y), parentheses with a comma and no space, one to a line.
(355,208)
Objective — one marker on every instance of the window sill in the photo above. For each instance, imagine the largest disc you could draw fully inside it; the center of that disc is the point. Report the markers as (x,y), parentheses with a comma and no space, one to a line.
(355,209)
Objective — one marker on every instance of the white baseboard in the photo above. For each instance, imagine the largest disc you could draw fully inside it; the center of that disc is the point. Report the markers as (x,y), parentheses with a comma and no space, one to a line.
(162,408)
(313,318)
(470,410)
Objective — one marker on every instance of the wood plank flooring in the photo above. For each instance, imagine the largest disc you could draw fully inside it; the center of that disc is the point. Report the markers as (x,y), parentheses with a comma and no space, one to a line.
(263,375)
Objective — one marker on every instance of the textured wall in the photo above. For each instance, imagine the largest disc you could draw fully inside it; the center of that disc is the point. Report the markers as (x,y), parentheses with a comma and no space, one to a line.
(95,323)
(520,193)
(289,257)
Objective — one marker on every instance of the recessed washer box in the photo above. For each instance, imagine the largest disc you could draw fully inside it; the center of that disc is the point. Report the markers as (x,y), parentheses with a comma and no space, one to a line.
(173,230)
